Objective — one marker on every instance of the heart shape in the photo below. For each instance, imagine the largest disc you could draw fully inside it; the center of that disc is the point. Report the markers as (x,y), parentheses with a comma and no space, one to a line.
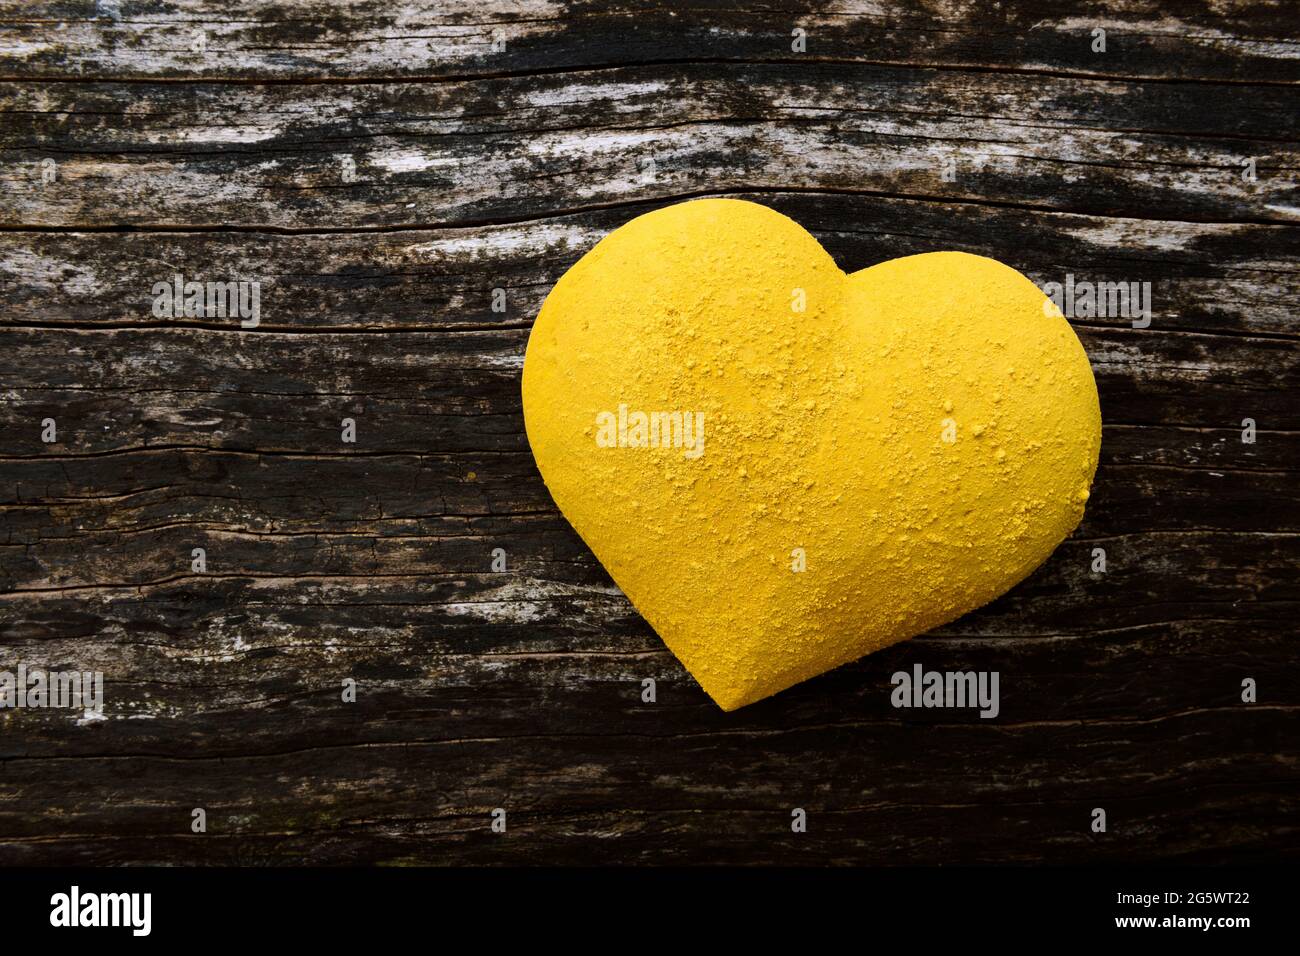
(785,467)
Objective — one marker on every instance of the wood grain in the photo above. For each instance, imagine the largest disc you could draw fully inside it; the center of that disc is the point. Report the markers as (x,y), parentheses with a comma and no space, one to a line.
(380,169)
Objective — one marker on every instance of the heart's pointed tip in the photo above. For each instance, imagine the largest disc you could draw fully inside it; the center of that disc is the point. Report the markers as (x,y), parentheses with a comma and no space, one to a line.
(731,699)
(728,704)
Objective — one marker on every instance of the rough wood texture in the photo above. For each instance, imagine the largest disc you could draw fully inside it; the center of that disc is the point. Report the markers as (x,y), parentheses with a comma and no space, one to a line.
(380,169)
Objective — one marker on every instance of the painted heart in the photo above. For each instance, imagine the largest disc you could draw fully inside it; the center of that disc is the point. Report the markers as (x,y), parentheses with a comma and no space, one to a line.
(785,467)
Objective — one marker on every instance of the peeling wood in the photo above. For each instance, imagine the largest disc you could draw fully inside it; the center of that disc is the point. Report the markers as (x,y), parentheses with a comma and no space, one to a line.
(523,148)
(258,40)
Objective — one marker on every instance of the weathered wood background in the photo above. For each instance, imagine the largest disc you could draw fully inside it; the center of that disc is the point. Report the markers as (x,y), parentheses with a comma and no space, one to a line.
(380,168)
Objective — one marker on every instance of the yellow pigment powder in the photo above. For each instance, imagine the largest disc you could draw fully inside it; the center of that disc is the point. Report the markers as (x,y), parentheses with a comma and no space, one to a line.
(785,467)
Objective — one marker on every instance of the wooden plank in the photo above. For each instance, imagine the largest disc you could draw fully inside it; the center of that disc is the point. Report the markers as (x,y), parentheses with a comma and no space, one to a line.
(1237,278)
(1252,41)
(522,148)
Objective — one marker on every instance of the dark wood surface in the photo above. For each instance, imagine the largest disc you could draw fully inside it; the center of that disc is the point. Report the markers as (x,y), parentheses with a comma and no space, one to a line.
(480,168)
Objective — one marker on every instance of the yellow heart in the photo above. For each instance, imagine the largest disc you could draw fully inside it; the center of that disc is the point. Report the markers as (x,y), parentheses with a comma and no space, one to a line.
(878,453)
